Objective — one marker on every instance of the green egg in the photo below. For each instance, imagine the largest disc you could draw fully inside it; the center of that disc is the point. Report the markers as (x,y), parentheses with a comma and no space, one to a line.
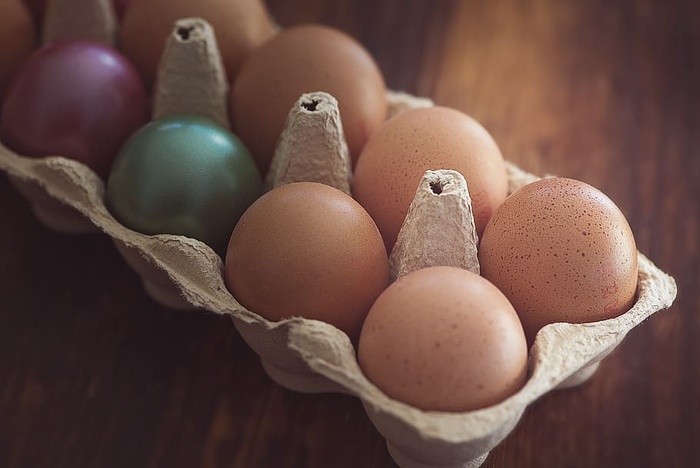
(183,175)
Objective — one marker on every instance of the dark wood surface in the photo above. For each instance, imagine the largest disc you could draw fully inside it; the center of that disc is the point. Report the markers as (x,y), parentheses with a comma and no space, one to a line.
(94,374)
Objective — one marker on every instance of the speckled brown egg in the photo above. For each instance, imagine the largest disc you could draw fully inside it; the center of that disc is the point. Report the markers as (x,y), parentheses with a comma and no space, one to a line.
(302,59)
(394,159)
(307,250)
(561,251)
(444,339)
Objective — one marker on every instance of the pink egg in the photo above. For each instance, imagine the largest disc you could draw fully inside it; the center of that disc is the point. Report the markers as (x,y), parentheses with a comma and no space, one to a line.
(78,99)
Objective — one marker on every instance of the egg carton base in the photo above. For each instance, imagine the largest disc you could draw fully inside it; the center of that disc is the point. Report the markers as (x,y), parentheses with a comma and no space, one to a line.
(426,449)
(156,283)
(580,377)
(52,213)
(404,461)
(300,382)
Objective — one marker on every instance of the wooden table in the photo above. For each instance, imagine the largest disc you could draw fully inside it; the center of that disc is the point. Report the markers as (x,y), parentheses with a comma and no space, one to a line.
(94,374)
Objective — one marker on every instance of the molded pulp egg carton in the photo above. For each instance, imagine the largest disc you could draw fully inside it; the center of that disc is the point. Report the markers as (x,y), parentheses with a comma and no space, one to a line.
(308,355)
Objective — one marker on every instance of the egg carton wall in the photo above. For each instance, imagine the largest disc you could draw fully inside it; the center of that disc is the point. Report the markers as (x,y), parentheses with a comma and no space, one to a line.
(307,355)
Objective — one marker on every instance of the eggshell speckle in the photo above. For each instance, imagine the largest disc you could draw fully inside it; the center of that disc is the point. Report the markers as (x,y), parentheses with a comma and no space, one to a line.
(309,250)
(444,339)
(561,251)
(395,158)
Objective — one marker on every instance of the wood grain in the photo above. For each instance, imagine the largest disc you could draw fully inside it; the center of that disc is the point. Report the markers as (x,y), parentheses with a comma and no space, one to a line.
(94,374)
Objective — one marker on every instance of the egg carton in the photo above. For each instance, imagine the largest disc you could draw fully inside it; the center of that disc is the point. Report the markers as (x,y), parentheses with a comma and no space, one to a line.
(308,355)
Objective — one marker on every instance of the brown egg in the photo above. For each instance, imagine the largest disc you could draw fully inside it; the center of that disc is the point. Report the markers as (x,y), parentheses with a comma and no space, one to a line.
(561,251)
(444,339)
(18,37)
(395,158)
(299,60)
(309,250)
(239,25)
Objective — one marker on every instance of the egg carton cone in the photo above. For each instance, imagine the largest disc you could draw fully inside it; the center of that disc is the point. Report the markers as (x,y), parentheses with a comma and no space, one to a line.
(79,19)
(191,77)
(312,147)
(439,228)
(313,356)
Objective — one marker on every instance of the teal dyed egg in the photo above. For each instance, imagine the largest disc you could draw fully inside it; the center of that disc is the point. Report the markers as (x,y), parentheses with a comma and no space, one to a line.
(183,175)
